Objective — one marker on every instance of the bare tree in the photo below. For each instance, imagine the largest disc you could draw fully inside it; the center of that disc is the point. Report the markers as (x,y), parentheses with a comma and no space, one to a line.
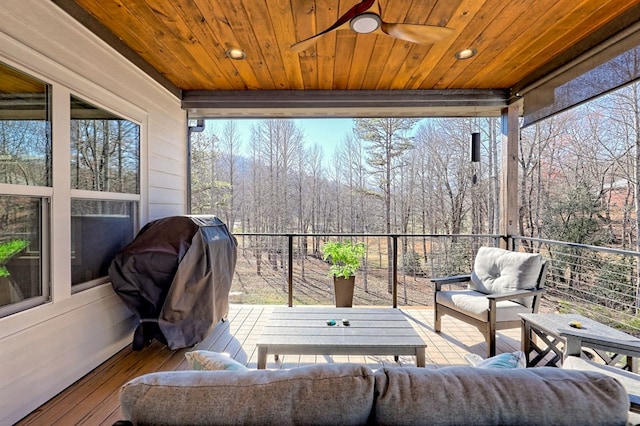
(387,139)
(359,192)
(315,194)
(230,146)
(538,158)
(451,170)
(204,181)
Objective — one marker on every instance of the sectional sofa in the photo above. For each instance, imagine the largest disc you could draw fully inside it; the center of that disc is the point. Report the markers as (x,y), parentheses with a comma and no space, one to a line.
(348,394)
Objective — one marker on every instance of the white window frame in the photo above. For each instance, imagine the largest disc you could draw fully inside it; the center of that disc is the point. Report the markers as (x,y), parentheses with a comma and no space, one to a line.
(82,194)
(56,215)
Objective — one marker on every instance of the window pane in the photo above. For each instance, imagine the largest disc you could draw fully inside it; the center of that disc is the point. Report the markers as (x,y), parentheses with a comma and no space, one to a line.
(25,129)
(99,230)
(20,249)
(104,150)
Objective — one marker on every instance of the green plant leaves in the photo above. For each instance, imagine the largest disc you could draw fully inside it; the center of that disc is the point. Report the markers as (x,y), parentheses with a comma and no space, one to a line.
(345,257)
(7,251)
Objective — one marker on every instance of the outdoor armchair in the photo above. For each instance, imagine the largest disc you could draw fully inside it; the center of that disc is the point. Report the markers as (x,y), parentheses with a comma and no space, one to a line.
(502,285)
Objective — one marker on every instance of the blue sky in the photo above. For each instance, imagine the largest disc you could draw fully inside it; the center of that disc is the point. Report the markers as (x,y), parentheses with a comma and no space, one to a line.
(328,132)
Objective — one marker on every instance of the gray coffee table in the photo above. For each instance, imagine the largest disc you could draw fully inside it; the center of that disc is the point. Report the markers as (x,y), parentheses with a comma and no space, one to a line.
(371,331)
(554,329)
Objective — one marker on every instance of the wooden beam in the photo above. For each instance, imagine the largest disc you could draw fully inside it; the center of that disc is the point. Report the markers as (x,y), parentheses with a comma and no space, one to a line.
(509,177)
(347,103)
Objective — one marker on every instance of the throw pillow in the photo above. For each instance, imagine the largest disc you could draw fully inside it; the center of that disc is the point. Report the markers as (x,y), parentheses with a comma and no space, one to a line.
(207,360)
(507,360)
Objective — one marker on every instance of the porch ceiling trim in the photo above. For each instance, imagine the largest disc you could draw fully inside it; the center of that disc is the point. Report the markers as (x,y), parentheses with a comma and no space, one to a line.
(344,103)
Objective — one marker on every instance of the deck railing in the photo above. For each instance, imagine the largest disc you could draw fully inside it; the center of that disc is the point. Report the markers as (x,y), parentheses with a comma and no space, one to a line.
(288,268)
(273,268)
(598,282)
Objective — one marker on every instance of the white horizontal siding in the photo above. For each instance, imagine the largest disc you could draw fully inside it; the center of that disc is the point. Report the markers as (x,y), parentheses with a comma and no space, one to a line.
(164,210)
(170,150)
(168,161)
(162,179)
(164,196)
(45,349)
(54,354)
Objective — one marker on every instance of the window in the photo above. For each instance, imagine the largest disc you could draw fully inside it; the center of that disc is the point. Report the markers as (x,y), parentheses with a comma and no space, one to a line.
(99,230)
(104,150)
(105,182)
(104,169)
(25,181)
(21,263)
(25,129)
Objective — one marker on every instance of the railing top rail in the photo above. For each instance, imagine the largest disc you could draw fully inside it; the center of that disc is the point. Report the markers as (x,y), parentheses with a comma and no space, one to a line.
(296,234)
(577,245)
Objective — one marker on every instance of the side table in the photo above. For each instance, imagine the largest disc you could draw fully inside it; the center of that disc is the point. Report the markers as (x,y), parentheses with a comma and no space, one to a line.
(554,331)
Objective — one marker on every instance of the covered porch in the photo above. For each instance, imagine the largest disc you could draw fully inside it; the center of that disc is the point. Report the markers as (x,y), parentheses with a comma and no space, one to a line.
(94,398)
(147,63)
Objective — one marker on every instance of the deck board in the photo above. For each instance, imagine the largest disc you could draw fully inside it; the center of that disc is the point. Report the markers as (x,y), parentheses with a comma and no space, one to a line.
(93,400)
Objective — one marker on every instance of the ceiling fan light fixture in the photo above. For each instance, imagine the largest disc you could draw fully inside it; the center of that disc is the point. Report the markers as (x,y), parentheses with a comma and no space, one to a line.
(236,54)
(466,54)
(365,23)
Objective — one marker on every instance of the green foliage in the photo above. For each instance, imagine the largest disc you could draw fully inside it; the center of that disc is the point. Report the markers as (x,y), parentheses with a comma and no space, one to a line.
(11,248)
(412,263)
(576,218)
(7,251)
(344,257)
(564,307)
(632,323)
(386,139)
(614,287)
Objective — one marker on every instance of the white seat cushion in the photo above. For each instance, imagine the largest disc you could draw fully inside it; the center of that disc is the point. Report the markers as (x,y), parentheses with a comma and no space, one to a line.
(476,304)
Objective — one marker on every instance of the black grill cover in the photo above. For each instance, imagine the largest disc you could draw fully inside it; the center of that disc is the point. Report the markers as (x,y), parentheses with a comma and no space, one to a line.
(175,276)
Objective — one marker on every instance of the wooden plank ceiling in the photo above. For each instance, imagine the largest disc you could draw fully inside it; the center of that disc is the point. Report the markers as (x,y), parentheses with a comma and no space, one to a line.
(517,42)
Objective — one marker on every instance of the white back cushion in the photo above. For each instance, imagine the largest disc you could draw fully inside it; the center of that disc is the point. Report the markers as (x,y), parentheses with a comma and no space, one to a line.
(500,271)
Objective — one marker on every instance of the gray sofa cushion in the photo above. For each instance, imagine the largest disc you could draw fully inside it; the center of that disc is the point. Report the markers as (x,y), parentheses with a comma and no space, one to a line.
(630,381)
(310,395)
(476,396)
(500,271)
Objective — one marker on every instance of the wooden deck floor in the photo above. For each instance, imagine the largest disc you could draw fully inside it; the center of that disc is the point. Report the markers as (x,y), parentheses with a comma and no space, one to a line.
(93,400)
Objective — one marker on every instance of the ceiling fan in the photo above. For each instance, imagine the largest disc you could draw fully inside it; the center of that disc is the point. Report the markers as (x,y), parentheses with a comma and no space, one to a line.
(364,18)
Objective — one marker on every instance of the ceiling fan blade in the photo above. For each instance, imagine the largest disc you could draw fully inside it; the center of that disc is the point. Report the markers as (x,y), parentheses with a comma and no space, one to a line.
(416,33)
(307,42)
(356,10)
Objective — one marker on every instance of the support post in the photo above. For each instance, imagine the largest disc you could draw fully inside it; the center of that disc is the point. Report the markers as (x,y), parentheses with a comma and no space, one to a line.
(509,176)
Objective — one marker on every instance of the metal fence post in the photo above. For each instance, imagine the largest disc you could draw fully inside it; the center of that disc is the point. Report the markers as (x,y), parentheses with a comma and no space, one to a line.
(290,270)
(395,271)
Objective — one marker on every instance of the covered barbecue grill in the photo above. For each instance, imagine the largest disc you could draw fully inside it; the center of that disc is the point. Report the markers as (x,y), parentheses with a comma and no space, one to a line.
(175,276)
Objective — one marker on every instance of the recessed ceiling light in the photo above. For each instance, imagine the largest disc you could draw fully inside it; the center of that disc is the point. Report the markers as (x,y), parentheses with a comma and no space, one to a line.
(466,54)
(236,54)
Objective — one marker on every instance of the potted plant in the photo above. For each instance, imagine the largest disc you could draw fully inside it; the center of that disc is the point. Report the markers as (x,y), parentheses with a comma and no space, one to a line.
(8,290)
(345,259)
